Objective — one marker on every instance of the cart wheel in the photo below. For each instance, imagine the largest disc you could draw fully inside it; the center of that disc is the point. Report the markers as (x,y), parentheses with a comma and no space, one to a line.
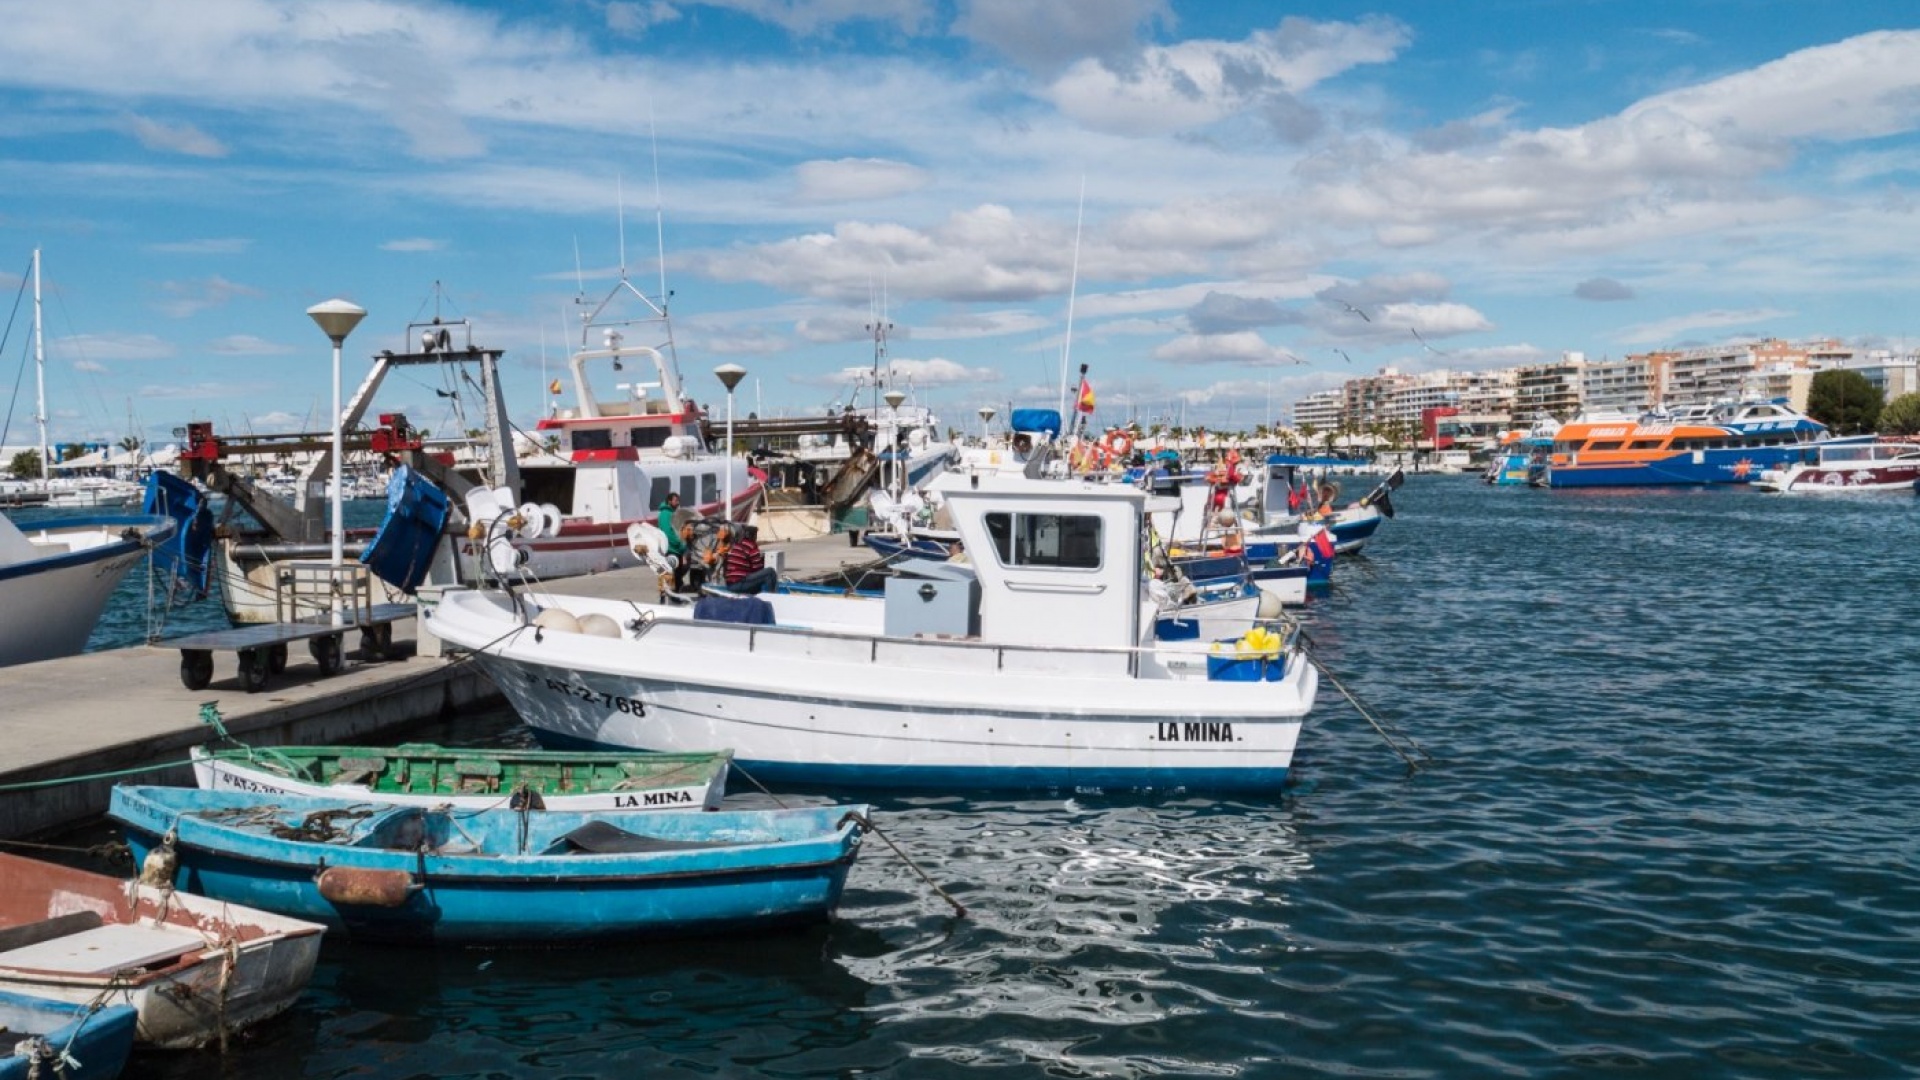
(253,669)
(196,668)
(277,658)
(326,652)
(376,642)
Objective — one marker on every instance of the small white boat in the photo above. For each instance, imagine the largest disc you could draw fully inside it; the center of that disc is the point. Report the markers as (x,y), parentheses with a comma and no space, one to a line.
(1852,465)
(56,575)
(1042,672)
(196,970)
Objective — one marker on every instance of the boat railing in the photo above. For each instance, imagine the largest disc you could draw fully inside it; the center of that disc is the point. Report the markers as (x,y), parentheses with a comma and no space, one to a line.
(965,654)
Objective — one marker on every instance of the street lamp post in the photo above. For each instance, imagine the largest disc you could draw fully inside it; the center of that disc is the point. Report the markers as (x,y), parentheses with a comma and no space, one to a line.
(986,417)
(893,399)
(729,376)
(336,319)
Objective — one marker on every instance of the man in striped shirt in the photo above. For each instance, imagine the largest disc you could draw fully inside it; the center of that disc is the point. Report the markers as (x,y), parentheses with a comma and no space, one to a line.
(747,570)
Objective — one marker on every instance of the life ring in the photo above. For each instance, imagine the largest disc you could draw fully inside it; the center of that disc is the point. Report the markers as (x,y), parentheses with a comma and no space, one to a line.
(1118,445)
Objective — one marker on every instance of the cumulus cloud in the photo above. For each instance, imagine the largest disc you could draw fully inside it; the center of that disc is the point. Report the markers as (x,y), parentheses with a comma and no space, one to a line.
(923,374)
(175,138)
(1220,313)
(414,244)
(1194,83)
(850,179)
(90,367)
(1245,348)
(1044,37)
(984,254)
(1602,288)
(806,17)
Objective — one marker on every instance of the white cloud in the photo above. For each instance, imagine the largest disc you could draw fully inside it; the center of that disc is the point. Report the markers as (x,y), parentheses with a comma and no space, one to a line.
(815,16)
(228,245)
(1244,347)
(248,345)
(414,244)
(184,298)
(95,347)
(1195,83)
(1665,330)
(922,374)
(1044,36)
(851,179)
(626,17)
(175,138)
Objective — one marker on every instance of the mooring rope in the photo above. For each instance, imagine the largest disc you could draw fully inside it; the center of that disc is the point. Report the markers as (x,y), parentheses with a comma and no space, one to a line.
(1390,733)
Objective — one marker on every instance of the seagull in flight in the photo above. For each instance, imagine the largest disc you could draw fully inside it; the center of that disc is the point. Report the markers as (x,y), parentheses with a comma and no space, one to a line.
(1350,307)
(1423,343)
(1344,356)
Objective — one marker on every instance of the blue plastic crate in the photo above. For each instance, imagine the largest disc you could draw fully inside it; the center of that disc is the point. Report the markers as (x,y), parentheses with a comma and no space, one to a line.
(1230,669)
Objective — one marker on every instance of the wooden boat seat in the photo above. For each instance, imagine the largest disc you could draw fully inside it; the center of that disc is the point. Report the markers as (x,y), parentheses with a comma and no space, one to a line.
(359,770)
(601,838)
(33,933)
(106,949)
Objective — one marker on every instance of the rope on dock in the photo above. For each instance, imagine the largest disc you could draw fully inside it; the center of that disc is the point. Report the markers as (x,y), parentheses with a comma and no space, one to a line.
(34,785)
(1388,731)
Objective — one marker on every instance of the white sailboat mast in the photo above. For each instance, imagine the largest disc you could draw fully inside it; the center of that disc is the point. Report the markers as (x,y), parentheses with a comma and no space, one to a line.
(40,373)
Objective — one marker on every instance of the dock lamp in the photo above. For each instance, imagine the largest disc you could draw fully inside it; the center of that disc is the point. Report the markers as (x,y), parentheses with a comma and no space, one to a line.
(894,398)
(986,417)
(336,319)
(729,376)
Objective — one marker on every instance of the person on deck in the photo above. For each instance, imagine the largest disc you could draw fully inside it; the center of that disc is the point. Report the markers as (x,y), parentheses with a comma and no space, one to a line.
(706,552)
(676,547)
(747,570)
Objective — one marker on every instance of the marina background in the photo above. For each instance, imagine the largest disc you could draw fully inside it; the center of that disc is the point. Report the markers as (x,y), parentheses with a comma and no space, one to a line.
(1666,833)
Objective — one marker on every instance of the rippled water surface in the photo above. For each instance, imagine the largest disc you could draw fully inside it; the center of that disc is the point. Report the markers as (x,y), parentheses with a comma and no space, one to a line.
(1669,831)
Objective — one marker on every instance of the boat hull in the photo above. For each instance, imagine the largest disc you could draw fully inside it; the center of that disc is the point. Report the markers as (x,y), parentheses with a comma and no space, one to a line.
(919,713)
(51,1038)
(682,782)
(1690,468)
(233,969)
(49,604)
(422,876)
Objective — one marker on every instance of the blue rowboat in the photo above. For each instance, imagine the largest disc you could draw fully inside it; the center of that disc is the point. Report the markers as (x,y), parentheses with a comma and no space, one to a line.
(499,876)
(44,1037)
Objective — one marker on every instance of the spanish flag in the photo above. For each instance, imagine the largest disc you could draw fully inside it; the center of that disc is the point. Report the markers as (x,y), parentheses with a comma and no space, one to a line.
(1086,395)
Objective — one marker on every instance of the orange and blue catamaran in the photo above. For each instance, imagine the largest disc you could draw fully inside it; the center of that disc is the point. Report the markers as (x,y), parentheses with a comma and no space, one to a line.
(1709,444)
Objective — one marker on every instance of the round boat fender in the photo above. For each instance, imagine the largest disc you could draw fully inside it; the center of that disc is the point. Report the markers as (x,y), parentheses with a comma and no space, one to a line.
(354,887)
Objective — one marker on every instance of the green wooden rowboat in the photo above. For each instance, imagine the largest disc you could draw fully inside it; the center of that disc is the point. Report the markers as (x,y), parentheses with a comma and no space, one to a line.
(423,774)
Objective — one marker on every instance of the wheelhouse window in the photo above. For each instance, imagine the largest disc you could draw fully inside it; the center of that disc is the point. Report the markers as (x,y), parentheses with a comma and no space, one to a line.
(710,488)
(648,437)
(657,491)
(592,439)
(1064,541)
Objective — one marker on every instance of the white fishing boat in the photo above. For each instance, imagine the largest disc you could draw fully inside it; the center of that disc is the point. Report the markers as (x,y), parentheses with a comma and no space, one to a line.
(1042,671)
(615,458)
(57,573)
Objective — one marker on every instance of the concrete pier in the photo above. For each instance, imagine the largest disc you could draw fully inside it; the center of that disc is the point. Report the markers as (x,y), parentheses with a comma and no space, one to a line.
(125,709)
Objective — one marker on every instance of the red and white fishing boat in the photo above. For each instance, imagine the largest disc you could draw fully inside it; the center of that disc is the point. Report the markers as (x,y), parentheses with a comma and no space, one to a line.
(1851,465)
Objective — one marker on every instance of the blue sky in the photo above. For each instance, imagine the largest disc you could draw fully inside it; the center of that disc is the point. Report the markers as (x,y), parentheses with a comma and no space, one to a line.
(1489,183)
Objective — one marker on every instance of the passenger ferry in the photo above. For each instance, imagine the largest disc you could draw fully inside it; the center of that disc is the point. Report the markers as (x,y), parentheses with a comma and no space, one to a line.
(1724,443)
(1859,463)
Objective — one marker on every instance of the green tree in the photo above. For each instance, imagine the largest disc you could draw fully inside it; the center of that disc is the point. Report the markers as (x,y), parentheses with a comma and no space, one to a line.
(130,443)
(1901,416)
(26,463)
(1845,401)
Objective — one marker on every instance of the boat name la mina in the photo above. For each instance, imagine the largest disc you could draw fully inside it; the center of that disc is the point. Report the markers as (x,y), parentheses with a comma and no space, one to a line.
(651,798)
(1195,731)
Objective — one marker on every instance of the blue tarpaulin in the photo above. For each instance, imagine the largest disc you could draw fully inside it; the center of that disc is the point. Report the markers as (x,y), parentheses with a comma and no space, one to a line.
(402,550)
(1047,420)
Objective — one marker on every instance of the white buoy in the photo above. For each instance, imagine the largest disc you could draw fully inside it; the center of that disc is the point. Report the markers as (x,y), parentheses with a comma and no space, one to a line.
(595,624)
(558,619)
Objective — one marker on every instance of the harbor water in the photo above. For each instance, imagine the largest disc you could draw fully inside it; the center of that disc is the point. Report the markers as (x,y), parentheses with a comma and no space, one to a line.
(1668,831)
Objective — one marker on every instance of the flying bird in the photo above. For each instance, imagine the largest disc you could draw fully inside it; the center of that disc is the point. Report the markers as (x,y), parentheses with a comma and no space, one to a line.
(1423,343)
(1350,307)
(1344,356)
